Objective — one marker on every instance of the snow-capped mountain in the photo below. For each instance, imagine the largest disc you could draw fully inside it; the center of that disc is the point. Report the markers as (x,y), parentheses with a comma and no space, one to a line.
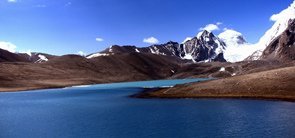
(237,48)
(282,47)
(281,23)
(229,45)
(206,47)
(232,37)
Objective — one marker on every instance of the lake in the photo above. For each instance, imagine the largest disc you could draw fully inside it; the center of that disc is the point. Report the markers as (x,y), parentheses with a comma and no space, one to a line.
(107,111)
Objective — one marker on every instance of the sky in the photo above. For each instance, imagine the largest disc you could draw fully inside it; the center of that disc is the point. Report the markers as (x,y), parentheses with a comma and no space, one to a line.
(87,26)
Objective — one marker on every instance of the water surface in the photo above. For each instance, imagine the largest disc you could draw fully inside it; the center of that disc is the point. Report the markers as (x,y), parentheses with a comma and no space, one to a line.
(107,111)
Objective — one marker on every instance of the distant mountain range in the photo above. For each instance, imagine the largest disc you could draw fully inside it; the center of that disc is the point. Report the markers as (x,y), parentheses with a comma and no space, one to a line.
(228,46)
(205,55)
(207,47)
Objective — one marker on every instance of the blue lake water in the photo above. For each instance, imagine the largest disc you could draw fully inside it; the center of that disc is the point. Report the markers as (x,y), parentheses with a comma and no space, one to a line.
(106,111)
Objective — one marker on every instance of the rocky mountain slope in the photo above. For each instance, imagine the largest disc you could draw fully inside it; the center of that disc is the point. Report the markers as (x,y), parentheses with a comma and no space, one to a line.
(263,80)
(256,85)
(72,70)
(281,23)
(6,56)
(207,47)
(76,70)
(282,47)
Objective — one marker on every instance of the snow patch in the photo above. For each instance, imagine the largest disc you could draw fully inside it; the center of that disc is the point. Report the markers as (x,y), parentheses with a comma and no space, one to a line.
(186,39)
(187,56)
(97,55)
(110,49)
(155,50)
(136,50)
(222,69)
(41,59)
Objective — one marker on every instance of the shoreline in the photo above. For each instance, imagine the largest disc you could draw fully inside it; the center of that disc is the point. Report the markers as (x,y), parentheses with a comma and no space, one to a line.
(147,94)
(277,84)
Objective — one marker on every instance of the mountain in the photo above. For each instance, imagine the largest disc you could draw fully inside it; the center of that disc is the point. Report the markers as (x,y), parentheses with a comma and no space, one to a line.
(283,46)
(232,37)
(281,23)
(71,70)
(36,57)
(6,56)
(237,48)
(167,49)
(206,47)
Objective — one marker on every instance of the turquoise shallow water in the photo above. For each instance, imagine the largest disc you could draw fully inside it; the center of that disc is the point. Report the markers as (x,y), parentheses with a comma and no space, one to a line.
(106,110)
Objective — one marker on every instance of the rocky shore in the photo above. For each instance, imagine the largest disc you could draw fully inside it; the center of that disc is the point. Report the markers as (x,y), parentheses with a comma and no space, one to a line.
(272,84)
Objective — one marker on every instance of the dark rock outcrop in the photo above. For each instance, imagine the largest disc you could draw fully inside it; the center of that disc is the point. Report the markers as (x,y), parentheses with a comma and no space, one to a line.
(205,47)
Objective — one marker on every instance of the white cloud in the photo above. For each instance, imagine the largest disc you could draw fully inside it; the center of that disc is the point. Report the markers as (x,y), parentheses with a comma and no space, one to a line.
(12,1)
(151,40)
(211,27)
(81,53)
(8,46)
(219,23)
(98,39)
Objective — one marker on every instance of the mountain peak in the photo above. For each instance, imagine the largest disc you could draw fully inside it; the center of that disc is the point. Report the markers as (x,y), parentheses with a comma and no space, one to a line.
(204,34)
(171,42)
(232,37)
(205,47)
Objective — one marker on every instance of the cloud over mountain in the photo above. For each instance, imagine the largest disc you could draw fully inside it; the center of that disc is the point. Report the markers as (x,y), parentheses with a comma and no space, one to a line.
(8,46)
(151,40)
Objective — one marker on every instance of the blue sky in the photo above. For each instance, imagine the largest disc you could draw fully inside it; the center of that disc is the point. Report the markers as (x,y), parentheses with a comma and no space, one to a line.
(68,26)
